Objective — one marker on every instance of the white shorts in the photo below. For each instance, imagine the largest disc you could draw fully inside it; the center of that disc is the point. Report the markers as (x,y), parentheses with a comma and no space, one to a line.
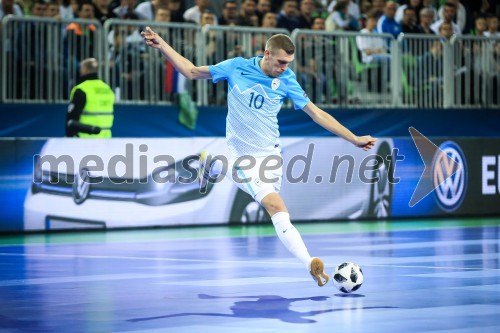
(261,179)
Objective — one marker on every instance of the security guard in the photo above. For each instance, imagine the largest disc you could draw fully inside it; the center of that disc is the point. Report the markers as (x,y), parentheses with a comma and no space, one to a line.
(90,113)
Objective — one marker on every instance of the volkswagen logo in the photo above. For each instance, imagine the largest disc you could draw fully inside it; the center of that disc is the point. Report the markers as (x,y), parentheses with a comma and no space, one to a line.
(81,186)
(449,173)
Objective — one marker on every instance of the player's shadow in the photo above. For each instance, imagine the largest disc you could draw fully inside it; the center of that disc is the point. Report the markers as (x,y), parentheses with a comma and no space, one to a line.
(268,306)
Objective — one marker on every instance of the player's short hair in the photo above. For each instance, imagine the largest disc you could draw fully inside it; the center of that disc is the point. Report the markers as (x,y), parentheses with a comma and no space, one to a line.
(280,42)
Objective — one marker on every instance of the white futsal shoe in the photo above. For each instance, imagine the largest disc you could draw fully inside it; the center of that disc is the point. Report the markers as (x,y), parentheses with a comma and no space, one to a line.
(317,271)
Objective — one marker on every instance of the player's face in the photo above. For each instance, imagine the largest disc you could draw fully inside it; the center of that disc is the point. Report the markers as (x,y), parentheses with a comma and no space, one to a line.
(278,62)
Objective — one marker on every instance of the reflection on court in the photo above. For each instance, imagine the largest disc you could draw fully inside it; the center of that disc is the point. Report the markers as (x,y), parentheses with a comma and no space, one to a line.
(441,277)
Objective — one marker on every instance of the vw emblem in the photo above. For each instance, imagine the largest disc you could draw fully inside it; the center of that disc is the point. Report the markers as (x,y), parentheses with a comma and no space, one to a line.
(450,176)
(81,186)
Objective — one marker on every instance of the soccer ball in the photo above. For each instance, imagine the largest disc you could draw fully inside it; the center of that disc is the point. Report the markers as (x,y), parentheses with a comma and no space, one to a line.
(348,277)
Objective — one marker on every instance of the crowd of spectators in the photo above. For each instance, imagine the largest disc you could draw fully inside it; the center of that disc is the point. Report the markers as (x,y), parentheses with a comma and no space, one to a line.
(409,16)
(434,17)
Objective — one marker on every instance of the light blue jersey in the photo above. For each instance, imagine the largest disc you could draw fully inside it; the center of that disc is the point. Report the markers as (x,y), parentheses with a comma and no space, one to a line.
(254,100)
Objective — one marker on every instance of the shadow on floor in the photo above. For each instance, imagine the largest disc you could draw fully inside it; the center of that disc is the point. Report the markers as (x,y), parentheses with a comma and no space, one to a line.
(267,306)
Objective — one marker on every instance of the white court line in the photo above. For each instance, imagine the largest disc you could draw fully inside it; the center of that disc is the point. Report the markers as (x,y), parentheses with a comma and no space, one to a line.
(240,262)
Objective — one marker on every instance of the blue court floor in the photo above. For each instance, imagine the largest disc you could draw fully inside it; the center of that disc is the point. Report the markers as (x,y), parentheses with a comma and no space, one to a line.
(420,276)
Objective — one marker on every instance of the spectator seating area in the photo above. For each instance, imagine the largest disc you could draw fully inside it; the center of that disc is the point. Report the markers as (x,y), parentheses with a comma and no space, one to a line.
(348,53)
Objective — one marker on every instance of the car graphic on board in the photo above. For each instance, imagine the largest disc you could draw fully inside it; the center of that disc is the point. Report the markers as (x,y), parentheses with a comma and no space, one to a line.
(122,183)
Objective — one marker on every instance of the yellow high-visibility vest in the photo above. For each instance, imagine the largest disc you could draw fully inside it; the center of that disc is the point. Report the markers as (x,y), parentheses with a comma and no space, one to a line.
(98,110)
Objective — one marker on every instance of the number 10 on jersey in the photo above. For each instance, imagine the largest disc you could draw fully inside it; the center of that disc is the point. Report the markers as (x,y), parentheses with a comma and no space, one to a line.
(256,100)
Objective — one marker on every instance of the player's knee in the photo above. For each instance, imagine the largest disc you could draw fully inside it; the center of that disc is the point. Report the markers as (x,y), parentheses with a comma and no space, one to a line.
(273,203)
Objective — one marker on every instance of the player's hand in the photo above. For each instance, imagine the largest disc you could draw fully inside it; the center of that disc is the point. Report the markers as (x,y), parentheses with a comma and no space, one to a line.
(365,142)
(151,38)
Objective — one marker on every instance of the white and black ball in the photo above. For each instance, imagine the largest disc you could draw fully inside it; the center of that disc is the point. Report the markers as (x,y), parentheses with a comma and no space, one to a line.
(348,277)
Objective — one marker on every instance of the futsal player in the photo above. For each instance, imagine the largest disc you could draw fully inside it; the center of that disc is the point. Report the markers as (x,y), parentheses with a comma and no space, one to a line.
(257,88)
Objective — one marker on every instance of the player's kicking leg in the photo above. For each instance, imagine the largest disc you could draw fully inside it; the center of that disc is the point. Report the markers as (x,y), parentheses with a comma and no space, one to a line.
(267,195)
(290,237)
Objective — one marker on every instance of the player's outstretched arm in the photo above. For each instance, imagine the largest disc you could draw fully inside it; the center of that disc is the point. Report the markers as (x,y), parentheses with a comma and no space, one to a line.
(331,124)
(183,65)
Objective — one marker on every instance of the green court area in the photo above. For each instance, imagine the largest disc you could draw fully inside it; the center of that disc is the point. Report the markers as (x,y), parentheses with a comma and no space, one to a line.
(305,228)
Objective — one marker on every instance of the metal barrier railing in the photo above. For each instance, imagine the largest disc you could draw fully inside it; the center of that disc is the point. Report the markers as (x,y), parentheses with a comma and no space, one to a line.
(40,56)
(40,59)
(476,72)
(423,70)
(335,71)
(139,74)
(461,72)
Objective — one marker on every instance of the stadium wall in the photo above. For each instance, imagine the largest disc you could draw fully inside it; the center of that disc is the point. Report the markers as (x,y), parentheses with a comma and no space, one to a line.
(47,120)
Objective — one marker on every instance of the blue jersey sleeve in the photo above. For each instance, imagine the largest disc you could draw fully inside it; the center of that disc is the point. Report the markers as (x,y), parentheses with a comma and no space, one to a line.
(296,93)
(223,69)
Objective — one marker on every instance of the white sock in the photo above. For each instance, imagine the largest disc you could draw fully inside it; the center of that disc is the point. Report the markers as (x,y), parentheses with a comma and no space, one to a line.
(290,237)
